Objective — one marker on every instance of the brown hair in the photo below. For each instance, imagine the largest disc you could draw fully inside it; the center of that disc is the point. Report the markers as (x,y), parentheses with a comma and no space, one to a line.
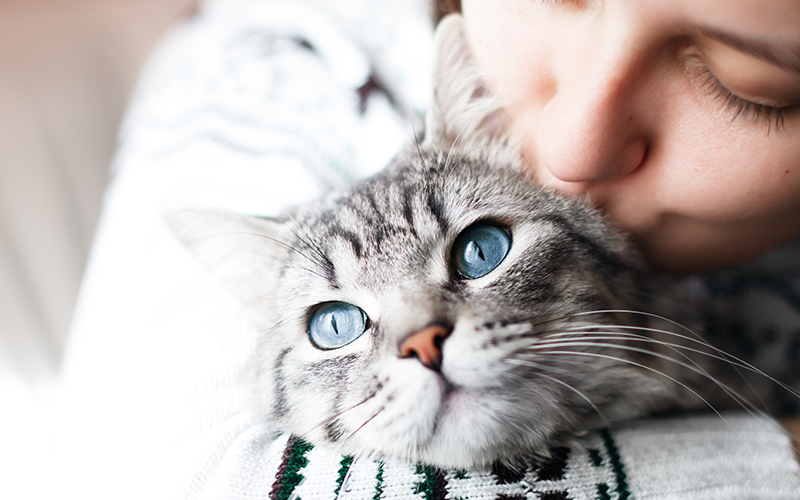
(443,7)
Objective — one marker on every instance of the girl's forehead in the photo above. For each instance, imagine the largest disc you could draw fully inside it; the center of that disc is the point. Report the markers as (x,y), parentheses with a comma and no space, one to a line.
(753,17)
(758,27)
(750,18)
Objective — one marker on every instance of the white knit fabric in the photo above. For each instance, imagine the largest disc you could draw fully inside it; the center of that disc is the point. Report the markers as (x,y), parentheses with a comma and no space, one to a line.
(251,106)
(709,458)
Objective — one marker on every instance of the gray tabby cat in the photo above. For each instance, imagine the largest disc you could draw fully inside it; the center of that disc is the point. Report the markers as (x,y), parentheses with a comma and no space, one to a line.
(447,310)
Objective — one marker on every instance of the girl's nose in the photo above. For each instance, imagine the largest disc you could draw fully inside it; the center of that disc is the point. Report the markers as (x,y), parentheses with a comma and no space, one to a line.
(592,129)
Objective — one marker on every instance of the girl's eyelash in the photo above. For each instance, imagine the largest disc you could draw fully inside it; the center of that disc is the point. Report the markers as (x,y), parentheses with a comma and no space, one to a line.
(742,107)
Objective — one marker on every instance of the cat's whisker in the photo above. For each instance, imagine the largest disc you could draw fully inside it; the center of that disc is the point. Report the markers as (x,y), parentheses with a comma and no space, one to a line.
(457,142)
(696,368)
(695,334)
(743,402)
(307,239)
(749,407)
(569,317)
(562,322)
(580,339)
(333,417)
(619,329)
(380,410)
(555,406)
(617,333)
(537,321)
(594,335)
(594,332)
(633,312)
(648,368)
(589,340)
(717,353)
(720,354)
(620,326)
(345,482)
(415,141)
(587,335)
(279,242)
(304,269)
(453,147)
(541,367)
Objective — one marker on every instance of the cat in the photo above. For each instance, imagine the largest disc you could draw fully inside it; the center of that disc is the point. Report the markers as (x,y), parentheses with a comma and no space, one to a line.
(448,310)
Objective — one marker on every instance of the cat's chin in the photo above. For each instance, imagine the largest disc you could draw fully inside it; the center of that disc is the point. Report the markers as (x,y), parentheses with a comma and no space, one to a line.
(459,427)
(470,434)
(468,447)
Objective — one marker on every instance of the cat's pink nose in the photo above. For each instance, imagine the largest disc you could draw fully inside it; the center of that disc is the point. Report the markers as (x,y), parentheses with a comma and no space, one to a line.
(425,345)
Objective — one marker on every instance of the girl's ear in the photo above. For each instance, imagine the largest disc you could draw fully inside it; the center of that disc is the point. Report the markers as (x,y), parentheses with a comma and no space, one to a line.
(244,252)
(463,114)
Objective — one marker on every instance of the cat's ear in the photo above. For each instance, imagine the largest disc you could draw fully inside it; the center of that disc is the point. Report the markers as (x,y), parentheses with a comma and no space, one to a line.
(463,113)
(244,252)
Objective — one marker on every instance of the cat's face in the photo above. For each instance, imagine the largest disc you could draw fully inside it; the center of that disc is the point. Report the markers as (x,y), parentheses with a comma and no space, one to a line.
(443,311)
(421,315)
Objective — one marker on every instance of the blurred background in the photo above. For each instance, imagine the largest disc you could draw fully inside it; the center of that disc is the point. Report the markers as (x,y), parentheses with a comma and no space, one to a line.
(67,70)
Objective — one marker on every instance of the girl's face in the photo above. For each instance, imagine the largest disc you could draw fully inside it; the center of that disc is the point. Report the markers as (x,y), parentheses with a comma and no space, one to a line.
(680,118)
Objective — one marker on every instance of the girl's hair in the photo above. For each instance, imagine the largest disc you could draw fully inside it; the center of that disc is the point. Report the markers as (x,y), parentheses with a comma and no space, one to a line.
(442,7)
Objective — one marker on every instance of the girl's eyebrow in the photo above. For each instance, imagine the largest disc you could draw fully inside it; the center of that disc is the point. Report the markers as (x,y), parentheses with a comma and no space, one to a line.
(784,55)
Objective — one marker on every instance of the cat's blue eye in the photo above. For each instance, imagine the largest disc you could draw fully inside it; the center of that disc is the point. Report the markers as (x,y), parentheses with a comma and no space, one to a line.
(336,324)
(480,249)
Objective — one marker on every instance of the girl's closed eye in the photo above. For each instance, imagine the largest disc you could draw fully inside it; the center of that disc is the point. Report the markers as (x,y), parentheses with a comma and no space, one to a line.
(746,85)
(774,116)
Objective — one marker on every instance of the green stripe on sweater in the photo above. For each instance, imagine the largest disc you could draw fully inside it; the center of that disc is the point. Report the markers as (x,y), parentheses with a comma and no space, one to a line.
(379,482)
(295,461)
(344,466)
(616,465)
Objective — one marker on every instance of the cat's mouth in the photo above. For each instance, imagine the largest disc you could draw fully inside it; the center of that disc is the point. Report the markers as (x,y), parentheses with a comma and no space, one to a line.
(459,400)
(450,391)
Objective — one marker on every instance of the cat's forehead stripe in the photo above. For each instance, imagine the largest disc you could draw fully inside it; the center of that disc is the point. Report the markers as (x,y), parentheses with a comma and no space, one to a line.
(436,209)
(330,273)
(409,192)
(349,236)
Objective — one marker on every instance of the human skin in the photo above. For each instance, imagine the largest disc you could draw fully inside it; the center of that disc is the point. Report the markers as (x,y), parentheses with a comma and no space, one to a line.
(633,103)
